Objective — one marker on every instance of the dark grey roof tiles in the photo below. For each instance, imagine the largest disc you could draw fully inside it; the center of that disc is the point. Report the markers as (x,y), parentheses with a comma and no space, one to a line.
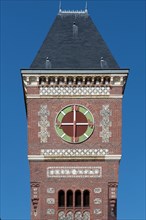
(73,42)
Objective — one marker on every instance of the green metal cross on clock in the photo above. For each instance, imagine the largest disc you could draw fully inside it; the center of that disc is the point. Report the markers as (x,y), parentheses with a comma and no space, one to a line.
(74,124)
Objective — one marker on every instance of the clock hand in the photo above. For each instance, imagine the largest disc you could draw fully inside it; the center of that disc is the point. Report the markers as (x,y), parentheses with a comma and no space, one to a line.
(74,123)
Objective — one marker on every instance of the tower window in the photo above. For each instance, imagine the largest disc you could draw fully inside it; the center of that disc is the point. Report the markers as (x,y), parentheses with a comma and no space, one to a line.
(74,199)
(69,198)
(61,198)
(78,198)
(86,198)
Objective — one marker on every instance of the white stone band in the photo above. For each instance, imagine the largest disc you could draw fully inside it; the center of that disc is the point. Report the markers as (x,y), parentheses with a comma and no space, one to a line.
(74,152)
(65,91)
(36,96)
(49,158)
(51,71)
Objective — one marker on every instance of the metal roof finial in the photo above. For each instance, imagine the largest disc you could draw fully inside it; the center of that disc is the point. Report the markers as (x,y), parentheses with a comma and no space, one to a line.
(86,6)
(60,6)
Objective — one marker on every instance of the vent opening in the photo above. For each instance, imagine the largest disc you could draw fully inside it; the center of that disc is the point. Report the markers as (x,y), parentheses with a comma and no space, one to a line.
(75,30)
(48,63)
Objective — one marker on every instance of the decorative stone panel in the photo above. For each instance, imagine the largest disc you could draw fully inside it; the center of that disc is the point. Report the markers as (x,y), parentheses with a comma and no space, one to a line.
(74,152)
(105,134)
(97,190)
(78,215)
(112,201)
(97,201)
(51,190)
(74,172)
(97,211)
(43,134)
(51,211)
(74,91)
(50,201)
(35,197)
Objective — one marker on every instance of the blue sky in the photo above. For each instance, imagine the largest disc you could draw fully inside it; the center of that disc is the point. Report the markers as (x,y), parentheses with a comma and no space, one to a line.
(24,25)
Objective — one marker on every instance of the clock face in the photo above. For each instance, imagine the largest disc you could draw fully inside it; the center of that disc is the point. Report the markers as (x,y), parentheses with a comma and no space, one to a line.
(74,124)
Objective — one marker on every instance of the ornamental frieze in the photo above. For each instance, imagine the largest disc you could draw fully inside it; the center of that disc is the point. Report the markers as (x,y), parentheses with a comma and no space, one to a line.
(74,152)
(74,172)
(75,91)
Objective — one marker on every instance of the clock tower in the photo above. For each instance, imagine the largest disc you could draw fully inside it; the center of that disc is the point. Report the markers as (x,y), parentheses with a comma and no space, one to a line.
(73,91)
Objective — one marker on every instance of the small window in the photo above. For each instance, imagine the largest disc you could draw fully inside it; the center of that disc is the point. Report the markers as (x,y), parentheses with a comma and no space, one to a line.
(86,198)
(69,198)
(78,198)
(61,198)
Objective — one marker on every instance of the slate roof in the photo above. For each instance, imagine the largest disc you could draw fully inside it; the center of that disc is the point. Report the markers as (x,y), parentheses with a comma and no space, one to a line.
(73,42)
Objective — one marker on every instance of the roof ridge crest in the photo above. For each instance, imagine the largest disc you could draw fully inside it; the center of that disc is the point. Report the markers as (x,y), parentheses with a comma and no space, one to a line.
(73,12)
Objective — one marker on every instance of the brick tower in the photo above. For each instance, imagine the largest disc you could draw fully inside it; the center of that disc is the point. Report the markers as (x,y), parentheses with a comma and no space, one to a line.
(73,91)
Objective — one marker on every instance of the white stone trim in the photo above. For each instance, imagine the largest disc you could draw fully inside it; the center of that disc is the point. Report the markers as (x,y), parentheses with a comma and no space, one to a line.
(52,71)
(36,96)
(113,157)
(43,158)
(36,157)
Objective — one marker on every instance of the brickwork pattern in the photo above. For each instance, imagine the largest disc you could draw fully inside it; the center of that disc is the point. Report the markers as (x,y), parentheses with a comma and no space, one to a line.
(47,203)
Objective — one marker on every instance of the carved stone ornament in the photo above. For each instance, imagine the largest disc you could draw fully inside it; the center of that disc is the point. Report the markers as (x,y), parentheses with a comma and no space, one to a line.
(78,215)
(74,172)
(112,210)
(35,197)
(97,201)
(50,201)
(51,211)
(97,211)
(69,215)
(97,190)
(74,91)
(74,152)
(105,134)
(43,134)
(50,190)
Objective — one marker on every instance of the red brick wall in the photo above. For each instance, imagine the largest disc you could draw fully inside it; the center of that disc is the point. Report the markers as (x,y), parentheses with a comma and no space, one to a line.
(38,170)
(54,106)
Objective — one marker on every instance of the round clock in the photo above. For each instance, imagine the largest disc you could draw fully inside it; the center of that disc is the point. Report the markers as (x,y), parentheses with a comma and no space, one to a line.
(74,124)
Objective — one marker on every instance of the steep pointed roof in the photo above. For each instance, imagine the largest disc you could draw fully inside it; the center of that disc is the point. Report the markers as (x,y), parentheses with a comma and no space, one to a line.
(73,42)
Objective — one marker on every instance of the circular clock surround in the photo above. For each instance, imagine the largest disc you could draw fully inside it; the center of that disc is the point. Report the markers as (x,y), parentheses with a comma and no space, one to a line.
(74,123)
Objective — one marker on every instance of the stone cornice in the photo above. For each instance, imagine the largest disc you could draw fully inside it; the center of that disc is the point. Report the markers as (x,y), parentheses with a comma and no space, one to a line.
(74,80)
(78,71)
